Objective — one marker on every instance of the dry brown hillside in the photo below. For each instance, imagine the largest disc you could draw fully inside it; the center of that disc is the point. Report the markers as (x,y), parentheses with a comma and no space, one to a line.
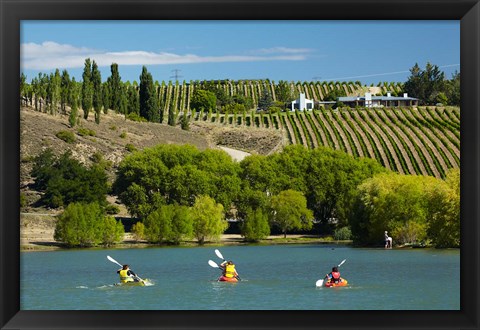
(114,133)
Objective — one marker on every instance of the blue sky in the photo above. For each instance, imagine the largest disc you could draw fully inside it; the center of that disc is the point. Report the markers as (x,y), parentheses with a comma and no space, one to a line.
(368,51)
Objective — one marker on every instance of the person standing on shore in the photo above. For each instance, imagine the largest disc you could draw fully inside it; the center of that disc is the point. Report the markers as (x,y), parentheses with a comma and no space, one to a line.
(388,241)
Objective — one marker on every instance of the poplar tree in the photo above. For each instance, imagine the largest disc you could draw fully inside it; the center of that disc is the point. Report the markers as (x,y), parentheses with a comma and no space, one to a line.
(87,89)
(148,99)
(73,100)
(115,84)
(64,90)
(97,91)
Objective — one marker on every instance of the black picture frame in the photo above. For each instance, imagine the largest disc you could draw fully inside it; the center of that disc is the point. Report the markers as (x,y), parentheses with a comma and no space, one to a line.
(12,12)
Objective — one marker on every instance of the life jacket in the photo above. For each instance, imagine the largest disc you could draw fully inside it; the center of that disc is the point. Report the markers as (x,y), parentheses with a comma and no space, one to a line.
(335,277)
(229,271)
(124,278)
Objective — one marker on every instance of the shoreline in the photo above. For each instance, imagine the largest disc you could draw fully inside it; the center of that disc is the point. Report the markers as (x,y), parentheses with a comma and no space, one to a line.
(225,240)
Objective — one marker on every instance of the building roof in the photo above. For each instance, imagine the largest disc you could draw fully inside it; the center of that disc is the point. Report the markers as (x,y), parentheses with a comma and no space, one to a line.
(375,98)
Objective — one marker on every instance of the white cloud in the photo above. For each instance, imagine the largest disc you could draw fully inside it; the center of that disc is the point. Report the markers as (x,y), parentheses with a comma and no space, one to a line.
(51,55)
(283,50)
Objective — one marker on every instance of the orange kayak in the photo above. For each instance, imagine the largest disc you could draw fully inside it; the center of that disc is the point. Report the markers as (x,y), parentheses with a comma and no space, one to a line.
(343,282)
(227,279)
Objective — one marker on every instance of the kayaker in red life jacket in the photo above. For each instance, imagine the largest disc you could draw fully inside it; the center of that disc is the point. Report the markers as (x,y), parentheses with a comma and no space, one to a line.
(127,275)
(333,276)
(229,270)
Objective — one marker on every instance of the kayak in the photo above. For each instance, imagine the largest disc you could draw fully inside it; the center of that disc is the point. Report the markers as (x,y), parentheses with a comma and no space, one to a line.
(227,279)
(145,282)
(343,282)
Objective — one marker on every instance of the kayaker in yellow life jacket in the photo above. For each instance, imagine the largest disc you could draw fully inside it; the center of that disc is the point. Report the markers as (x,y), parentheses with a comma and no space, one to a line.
(333,276)
(127,275)
(229,269)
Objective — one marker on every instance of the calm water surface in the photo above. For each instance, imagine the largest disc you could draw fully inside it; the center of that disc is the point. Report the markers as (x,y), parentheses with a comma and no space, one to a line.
(280,277)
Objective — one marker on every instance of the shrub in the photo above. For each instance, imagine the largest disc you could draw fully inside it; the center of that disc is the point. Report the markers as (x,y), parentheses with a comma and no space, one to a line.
(255,226)
(112,209)
(123,135)
(130,147)
(86,132)
(135,117)
(113,231)
(342,234)
(84,225)
(138,231)
(66,136)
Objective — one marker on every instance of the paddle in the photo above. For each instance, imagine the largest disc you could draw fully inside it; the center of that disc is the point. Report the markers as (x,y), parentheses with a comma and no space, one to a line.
(219,254)
(213,264)
(320,282)
(116,262)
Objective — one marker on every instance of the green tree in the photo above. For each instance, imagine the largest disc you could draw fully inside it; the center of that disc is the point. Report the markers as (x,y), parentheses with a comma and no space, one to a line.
(283,92)
(133,100)
(64,180)
(97,98)
(444,212)
(74,93)
(182,224)
(113,231)
(65,91)
(265,100)
(394,202)
(202,99)
(87,88)
(107,97)
(158,224)
(289,211)
(80,225)
(255,225)
(453,89)
(171,115)
(208,219)
(138,231)
(115,88)
(148,99)
(53,91)
(425,84)
(185,123)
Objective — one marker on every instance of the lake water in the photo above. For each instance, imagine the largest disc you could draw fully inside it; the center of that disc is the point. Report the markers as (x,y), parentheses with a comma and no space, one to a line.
(277,277)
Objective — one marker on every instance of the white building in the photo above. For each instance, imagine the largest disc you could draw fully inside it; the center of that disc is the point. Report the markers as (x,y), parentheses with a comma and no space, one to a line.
(302,103)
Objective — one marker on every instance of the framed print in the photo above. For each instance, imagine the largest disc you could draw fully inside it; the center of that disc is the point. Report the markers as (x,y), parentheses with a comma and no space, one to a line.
(196,25)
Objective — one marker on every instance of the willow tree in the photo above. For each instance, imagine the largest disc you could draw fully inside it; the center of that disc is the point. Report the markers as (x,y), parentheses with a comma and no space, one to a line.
(208,219)
(289,211)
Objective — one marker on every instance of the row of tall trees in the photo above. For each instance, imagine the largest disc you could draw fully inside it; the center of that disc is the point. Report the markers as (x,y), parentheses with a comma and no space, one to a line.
(52,93)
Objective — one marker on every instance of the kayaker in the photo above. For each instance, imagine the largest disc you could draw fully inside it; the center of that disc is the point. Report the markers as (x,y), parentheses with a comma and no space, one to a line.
(333,276)
(228,268)
(127,275)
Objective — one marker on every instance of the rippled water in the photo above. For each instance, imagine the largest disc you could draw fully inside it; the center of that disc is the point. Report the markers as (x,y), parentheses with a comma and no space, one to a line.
(280,277)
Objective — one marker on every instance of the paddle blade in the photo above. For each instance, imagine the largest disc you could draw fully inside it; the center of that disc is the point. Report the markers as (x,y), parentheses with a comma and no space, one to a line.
(342,262)
(213,264)
(114,261)
(217,252)
(319,283)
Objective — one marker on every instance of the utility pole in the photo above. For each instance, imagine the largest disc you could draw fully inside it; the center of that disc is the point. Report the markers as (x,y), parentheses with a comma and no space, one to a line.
(176,75)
